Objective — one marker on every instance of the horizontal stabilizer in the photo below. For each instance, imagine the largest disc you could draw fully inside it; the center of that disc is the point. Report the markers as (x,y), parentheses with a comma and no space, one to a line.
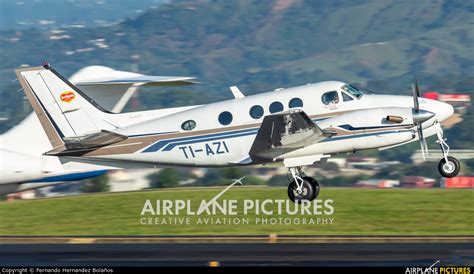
(76,145)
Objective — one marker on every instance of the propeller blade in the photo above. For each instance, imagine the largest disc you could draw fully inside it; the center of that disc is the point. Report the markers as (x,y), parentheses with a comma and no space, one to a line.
(423,145)
(426,148)
(416,94)
(416,88)
(419,116)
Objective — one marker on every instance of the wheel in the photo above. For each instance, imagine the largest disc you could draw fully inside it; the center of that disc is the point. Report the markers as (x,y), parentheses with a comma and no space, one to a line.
(307,191)
(315,185)
(449,169)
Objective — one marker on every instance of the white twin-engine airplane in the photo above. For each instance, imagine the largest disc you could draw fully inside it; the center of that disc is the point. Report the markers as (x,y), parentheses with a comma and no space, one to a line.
(298,126)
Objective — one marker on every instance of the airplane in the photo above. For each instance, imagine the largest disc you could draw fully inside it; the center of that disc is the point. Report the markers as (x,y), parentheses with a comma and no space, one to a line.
(22,163)
(297,126)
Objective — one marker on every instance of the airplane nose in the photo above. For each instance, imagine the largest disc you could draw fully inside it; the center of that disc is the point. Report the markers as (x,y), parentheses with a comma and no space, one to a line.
(449,110)
(444,111)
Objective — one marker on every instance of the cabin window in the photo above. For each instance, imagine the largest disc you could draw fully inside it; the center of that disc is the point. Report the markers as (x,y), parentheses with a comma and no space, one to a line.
(188,125)
(330,97)
(256,112)
(295,103)
(276,107)
(357,93)
(346,97)
(225,118)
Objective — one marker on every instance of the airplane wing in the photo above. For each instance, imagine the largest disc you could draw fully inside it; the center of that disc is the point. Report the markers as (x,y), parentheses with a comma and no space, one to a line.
(112,89)
(284,132)
(101,75)
(141,80)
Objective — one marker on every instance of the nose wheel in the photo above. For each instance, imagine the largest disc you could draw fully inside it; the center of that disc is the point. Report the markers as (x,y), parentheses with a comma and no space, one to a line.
(449,166)
(302,187)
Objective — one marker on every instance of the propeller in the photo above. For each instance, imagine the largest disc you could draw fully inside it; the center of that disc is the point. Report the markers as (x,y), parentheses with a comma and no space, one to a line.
(419,116)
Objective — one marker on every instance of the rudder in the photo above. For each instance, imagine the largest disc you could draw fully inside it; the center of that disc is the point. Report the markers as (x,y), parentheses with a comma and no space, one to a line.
(66,113)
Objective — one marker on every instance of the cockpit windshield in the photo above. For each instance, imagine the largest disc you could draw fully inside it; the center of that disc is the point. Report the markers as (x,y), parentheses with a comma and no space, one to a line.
(357,93)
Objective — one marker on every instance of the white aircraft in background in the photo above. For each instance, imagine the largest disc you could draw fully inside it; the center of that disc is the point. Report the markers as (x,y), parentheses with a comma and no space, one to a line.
(298,126)
(22,163)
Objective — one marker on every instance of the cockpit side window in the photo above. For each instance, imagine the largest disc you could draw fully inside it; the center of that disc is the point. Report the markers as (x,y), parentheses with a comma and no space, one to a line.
(346,97)
(330,97)
(353,91)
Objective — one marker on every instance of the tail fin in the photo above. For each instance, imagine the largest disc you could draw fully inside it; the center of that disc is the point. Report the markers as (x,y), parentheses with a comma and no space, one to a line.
(69,117)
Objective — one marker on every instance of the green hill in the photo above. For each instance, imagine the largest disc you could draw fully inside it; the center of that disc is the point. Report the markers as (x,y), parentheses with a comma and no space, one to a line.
(263,45)
(267,43)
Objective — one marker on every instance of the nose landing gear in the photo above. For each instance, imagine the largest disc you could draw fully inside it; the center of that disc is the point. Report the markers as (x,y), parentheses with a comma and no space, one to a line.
(449,166)
(302,187)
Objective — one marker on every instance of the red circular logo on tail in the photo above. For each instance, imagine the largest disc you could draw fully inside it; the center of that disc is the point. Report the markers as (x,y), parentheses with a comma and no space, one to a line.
(67,96)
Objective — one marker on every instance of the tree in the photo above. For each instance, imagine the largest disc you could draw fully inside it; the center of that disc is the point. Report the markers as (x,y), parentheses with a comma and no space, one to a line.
(167,177)
(232,172)
(279,180)
(330,166)
(97,184)
(253,180)
(344,180)
(212,177)
(467,166)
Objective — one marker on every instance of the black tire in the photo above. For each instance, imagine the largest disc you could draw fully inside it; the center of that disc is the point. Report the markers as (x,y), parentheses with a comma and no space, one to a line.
(306,194)
(451,169)
(315,185)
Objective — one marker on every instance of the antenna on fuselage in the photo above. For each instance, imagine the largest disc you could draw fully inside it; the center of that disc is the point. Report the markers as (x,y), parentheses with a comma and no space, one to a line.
(236,92)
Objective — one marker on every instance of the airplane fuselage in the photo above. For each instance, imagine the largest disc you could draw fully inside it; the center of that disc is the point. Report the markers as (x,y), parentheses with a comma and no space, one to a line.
(222,133)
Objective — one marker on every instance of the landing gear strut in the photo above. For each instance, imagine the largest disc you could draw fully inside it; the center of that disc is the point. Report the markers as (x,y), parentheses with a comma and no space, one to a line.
(302,187)
(448,166)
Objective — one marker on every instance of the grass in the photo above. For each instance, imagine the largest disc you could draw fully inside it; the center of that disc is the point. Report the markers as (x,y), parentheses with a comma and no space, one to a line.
(357,212)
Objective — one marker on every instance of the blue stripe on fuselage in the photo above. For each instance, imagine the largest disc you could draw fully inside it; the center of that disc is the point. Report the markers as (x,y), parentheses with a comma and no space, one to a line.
(172,145)
(201,138)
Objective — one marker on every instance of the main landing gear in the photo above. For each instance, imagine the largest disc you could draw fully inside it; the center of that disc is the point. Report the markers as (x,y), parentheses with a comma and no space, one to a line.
(302,187)
(448,166)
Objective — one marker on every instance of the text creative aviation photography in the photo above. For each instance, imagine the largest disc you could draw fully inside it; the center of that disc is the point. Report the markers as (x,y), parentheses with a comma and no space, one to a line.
(303,133)
(237,212)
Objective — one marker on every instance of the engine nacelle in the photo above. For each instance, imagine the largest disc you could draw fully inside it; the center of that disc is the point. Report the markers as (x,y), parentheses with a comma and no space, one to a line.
(371,118)
(377,127)
(18,167)
(360,130)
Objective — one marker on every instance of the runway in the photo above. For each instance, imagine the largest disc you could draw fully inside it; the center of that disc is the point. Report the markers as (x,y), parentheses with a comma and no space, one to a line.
(350,253)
